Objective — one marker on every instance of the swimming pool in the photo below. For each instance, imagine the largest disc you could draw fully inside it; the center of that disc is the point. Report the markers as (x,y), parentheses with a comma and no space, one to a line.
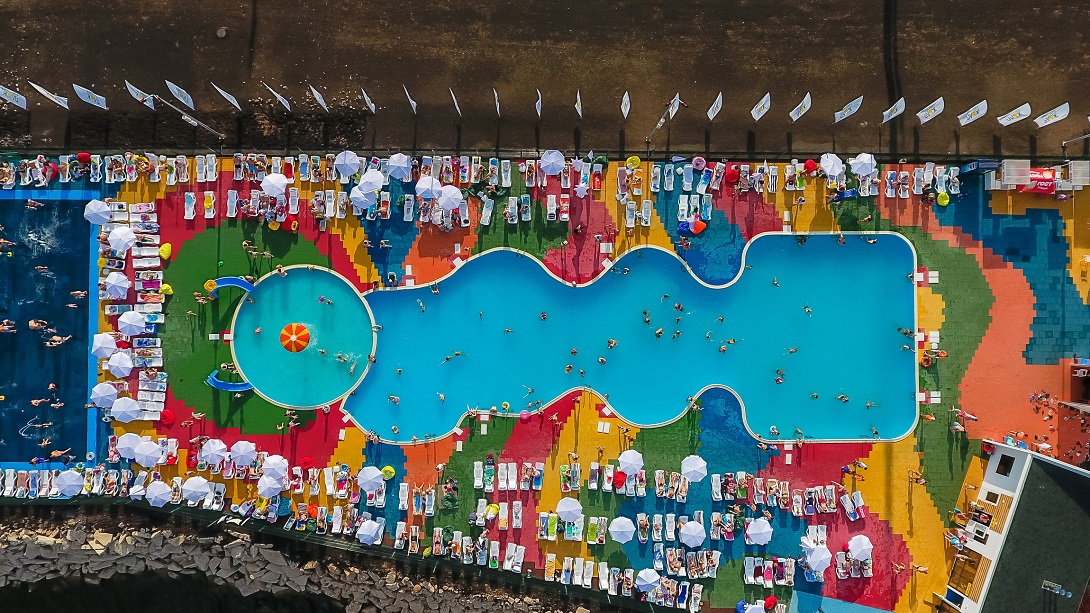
(285,362)
(490,312)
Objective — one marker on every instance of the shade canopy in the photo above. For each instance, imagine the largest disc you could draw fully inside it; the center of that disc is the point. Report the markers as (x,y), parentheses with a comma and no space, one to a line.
(621,529)
(103,395)
(269,486)
(347,163)
(552,162)
(361,198)
(195,489)
(759,531)
(275,466)
(127,443)
(69,483)
(569,509)
(97,212)
(371,181)
(103,345)
(860,547)
(369,478)
(213,451)
(694,468)
(692,534)
(370,532)
(126,409)
(120,364)
(400,166)
(121,238)
(647,580)
(274,184)
(243,453)
(117,285)
(630,461)
(819,559)
(132,323)
(832,164)
(863,164)
(157,494)
(147,454)
(428,187)
(450,198)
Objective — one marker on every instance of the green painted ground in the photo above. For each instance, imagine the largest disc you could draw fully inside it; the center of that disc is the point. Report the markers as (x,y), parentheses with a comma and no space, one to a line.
(191,355)
(535,237)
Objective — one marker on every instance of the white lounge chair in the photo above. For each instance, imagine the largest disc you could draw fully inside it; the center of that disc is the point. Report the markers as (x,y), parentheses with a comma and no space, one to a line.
(550,208)
(630,214)
(645,214)
(293,200)
(232,203)
(486,211)
(512,213)
(409,208)
(190,205)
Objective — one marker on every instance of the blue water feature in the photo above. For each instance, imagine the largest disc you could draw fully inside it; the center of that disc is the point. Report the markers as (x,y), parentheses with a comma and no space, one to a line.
(238,282)
(482,341)
(306,378)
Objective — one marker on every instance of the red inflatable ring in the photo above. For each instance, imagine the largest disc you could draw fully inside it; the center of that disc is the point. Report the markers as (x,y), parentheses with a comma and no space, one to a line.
(925,361)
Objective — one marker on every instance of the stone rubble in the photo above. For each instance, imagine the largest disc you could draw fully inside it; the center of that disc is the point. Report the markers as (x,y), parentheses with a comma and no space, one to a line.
(100,548)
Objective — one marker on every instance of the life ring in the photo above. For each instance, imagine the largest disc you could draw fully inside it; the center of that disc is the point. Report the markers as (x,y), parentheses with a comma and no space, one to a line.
(210,285)
(294,226)
(942,354)
(925,361)
(506,405)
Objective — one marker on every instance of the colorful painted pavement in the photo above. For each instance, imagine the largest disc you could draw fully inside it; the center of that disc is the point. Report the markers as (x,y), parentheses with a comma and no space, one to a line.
(1005,290)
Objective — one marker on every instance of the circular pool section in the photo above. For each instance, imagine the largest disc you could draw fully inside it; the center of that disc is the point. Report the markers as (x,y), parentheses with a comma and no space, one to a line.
(315,336)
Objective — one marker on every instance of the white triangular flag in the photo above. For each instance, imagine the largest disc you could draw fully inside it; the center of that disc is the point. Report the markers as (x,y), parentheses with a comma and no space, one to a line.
(90,97)
(457,108)
(848,110)
(626,104)
(412,102)
(578,104)
(1015,116)
(282,99)
(179,93)
(800,110)
(931,111)
(227,96)
(893,111)
(759,110)
(140,96)
(1051,117)
(319,98)
(367,101)
(716,106)
(496,95)
(59,100)
(13,97)
(674,104)
(537,105)
(974,113)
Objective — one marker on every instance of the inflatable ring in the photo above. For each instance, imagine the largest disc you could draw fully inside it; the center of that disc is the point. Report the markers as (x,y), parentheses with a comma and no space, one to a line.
(925,361)
(294,226)
(388,472)
(210,285)
(506,405)
(942,354)
(274,225)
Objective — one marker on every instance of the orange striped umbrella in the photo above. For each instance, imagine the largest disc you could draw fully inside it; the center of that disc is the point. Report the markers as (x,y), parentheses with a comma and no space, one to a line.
(295,337)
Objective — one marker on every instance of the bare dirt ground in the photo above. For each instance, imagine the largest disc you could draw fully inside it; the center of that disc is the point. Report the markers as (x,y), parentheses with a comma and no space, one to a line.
(966,51)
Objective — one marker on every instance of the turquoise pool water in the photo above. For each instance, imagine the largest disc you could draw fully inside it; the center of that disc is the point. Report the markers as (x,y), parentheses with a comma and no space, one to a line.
(305,378)
(858,294)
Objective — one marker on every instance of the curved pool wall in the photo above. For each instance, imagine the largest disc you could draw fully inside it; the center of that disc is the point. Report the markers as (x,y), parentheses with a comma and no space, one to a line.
(304,379)
(858,293)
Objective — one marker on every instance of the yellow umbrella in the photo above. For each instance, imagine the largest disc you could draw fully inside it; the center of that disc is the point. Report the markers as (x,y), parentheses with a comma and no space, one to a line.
(633,161)
(166,289)
(943,199)
(165,250)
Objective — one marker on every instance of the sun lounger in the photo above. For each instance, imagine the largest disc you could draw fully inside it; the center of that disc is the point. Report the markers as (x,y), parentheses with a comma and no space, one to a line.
(209,204)
(539,474)
(955,189)
(607,480)
(918,180)
(860,506)
(630,214)
(565,207)
(550,207)
(190,205)
(525,207)
(671,526)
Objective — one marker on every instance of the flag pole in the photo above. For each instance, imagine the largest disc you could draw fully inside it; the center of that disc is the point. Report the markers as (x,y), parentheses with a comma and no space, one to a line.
(193,121)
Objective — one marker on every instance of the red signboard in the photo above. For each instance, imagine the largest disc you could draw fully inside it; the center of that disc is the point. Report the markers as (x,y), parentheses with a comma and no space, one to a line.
(1041,181)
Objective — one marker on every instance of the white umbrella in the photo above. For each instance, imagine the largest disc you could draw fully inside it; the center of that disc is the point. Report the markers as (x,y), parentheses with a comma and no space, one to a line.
(103,395)
(832,164)
(117,285)
(863,164)
(195,489)
(450,198)
(125,410)
(347,163)
(582,190)
(807,545)
(274,184)
(362,199)
(860,547)
(103,345)
(694,468)
(630,461)
(371,181)
(147,454)
(213,451)
(275,466)
(97,212)
(647,580)
(552,162)
(122,238)
(692,534)
(759,531)
(269,486)
(400,166)
(157,494)
(569,509)
(132,323)
(622,529)
(127,444)
(370,532)
(819,559)
(120,364)
(369,478)
(70,483)
(243,453)
(428,187)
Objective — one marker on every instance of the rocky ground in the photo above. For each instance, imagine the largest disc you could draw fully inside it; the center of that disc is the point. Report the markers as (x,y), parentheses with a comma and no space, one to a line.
(69,544)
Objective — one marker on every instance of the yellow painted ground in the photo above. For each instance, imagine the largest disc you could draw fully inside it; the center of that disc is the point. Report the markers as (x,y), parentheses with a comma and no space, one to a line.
(352,236)
(911,514)
(931,307)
